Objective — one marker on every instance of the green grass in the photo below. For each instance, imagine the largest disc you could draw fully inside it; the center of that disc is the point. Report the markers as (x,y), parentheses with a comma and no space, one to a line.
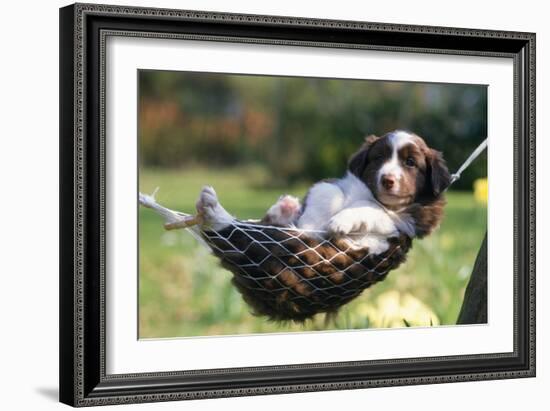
(184,292)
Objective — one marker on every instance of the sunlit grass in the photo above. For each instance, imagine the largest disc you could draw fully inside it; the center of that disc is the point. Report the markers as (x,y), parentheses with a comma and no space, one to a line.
(184,292)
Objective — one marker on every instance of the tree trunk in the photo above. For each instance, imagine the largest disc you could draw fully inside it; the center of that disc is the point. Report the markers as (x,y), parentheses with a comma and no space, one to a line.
(474,306)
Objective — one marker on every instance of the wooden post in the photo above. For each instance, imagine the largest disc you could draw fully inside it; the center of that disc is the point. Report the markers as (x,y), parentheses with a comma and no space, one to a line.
(474,306)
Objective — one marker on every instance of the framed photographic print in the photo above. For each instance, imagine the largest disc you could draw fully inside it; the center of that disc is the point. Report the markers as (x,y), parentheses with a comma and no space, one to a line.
(262,204)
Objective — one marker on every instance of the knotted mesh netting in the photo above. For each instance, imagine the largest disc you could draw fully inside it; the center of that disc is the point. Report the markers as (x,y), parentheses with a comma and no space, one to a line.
(288,273)
(292,274)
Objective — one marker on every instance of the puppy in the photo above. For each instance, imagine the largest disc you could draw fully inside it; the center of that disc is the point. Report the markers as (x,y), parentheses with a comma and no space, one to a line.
(393,186)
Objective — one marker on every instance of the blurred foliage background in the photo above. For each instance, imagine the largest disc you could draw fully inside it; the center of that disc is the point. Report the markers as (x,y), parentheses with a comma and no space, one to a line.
(254,138)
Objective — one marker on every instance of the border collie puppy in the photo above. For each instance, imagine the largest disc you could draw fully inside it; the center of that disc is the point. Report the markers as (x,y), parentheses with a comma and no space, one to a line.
(394,184)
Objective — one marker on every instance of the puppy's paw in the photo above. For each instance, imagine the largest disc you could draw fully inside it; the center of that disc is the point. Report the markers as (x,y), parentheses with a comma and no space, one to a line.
(208,199)
(344,223)
(284,212)
(288,206)
(211,210)
(207,203)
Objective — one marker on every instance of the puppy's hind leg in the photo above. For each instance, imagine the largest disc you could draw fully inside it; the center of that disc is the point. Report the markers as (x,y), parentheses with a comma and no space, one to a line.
(284,212)
(211,210)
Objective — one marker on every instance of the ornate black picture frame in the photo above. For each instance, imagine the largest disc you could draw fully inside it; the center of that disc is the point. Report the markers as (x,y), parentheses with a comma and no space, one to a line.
(83,30)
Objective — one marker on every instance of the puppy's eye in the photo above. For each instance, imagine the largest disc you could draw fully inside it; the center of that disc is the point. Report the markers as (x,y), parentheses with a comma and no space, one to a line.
(409,162)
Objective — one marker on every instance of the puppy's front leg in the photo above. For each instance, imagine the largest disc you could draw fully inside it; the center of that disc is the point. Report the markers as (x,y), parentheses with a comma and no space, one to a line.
(362,218)
(322,201)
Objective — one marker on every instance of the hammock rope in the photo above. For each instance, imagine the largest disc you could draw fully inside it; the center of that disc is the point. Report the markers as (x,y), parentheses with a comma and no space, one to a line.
(288,273)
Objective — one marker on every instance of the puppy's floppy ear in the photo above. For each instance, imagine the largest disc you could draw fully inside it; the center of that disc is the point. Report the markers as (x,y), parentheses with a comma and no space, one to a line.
(440,178)
(358,161)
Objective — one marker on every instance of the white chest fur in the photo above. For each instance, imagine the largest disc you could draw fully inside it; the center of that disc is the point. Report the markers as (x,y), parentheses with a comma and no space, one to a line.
(348,208)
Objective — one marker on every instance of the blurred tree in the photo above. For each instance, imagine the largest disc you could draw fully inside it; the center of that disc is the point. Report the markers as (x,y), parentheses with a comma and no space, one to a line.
(301,129)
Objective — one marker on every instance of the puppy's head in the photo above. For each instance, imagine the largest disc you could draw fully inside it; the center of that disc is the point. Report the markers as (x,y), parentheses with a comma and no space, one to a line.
(400,169)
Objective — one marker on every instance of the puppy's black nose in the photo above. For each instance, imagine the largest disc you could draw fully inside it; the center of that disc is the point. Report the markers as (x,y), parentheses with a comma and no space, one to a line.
(388,181)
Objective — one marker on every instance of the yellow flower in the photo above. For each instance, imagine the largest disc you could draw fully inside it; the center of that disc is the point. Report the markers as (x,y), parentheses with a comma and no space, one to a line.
(481,190)
(395,309)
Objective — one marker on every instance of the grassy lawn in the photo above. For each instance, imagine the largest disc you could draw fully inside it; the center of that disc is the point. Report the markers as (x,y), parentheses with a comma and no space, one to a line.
(184,292)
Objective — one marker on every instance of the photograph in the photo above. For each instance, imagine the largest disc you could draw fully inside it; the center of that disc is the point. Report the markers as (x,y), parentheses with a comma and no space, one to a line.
(259,204)
(278,204)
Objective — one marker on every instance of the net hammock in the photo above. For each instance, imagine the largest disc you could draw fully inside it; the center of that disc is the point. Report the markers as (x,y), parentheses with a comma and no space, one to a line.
(289,273)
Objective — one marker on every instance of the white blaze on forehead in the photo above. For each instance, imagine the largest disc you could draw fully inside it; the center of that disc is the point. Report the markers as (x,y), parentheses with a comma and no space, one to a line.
(397,140)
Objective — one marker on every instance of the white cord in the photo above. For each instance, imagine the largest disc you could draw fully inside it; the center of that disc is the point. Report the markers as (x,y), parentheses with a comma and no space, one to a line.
(475,154)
